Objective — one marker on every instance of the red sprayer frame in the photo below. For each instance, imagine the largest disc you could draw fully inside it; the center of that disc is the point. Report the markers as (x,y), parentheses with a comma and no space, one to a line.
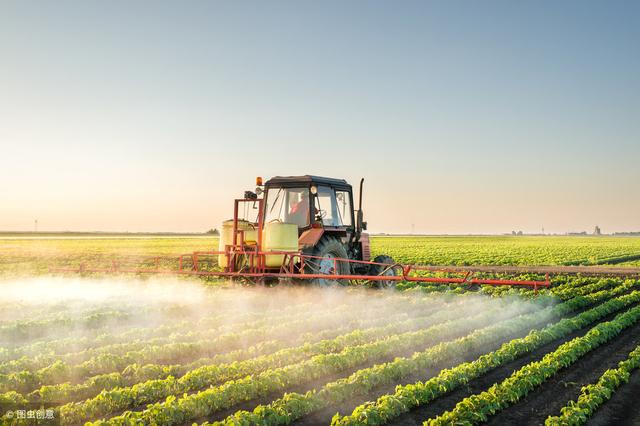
(253,265)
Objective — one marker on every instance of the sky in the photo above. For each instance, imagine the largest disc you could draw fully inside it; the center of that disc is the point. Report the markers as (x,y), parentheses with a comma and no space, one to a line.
(463,117)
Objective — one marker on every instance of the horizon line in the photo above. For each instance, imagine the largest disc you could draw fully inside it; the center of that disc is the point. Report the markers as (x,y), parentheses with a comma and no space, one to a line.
(405,234)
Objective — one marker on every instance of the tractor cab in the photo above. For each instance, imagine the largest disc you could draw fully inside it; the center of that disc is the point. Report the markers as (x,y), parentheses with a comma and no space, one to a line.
(323,210)
(310,202)
(304,223)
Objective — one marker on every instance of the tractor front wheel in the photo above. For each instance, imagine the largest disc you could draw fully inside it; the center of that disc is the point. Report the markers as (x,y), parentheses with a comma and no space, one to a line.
(326,252)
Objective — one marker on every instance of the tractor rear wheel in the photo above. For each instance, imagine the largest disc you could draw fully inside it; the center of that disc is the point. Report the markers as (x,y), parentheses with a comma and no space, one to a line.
(328,249)
(384,271)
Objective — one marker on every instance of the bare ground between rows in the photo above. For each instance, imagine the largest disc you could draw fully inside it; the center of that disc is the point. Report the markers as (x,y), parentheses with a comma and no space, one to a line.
(623,408)
(324,416)
(449,401)
(418,415)
(565,386)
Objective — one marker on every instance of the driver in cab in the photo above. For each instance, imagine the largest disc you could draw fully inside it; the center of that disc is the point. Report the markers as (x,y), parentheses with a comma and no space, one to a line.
(299,211)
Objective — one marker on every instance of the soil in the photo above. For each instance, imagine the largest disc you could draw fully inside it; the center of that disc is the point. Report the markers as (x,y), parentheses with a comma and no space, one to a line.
(623,408)
(324,416)
(565,386)
(447,402)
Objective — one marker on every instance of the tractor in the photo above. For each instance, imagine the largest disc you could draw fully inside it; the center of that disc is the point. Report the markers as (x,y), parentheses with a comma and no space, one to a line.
(319,221)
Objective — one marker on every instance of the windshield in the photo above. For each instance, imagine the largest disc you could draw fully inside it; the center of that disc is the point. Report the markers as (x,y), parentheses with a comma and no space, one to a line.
(288,205)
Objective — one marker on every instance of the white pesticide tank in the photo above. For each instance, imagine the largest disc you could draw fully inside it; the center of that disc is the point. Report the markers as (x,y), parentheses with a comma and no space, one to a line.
(226,237)
(279,236)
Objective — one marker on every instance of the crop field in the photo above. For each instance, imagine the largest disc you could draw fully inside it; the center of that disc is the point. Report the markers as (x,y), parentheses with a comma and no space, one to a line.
(120,350)
(23,253)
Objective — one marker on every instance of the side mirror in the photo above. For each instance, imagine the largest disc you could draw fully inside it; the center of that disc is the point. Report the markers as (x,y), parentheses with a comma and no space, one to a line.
(364,226)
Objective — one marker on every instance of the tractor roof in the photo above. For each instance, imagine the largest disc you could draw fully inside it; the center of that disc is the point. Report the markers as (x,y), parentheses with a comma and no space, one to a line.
(306,180)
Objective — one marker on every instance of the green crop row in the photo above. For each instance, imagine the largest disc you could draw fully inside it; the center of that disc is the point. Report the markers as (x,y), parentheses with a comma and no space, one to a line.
(154,390)
(211,341)
(88,322)
(135,373)
(563,291)
(197,405)
(205,327)
(594,395)
(108,361)
(563,287)
(116,357)
(410,396)
(27,329)
(477,408)
(30,315)
(568,292)
(223,321)
(17,359)
(293,405)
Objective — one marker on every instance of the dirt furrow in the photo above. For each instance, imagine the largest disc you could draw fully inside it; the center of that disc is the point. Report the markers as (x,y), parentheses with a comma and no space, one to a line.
(623,408)
(566,385)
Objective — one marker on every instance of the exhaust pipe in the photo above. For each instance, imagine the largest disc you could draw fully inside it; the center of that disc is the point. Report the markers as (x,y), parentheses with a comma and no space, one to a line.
(360,224)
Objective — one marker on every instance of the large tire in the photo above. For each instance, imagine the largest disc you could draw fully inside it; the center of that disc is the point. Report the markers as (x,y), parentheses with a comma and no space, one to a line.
(383,270)
(328,248)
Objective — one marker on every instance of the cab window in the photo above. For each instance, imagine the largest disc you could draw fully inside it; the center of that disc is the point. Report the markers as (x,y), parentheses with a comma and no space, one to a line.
(343,201)
(326,207)
(288,205)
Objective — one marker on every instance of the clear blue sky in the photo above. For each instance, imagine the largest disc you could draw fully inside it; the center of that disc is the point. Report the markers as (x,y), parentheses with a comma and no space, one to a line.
(463,117)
